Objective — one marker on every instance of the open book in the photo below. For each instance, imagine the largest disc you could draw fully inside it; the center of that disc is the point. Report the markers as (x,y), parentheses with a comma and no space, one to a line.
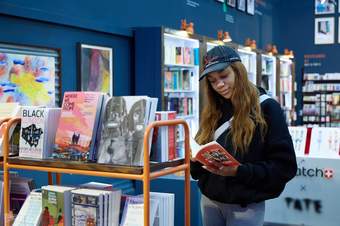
(210,152)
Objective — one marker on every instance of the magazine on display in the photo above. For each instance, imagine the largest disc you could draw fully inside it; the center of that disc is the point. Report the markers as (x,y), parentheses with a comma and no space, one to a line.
(210,152)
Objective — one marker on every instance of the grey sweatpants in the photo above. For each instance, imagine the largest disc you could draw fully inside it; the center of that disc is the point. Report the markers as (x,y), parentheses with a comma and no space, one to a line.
(220,214)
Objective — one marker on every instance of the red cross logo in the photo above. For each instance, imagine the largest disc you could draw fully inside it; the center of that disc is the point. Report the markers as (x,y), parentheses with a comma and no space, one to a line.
(328,173)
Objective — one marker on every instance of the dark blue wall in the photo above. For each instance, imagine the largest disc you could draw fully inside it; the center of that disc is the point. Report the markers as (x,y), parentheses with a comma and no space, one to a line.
(119,16)
(63,23)
(30,32)
(294,29)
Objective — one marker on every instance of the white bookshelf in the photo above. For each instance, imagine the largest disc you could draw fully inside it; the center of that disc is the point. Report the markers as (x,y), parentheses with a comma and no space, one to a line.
(268,74)
(181,98)
(248,59)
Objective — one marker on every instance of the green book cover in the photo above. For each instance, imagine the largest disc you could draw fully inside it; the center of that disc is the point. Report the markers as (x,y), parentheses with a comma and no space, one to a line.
(53,208)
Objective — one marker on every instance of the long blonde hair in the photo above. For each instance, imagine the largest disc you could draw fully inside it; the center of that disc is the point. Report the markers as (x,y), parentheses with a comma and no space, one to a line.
(247,112)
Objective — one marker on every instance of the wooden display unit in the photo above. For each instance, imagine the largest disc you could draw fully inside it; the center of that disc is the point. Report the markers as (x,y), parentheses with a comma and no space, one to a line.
(143,173)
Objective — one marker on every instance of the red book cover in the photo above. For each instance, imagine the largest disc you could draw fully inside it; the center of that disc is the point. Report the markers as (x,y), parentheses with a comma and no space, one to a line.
(210,152)
(172,137)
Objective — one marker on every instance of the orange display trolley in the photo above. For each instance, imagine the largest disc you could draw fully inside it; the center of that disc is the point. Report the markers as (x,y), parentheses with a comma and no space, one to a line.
(144,173)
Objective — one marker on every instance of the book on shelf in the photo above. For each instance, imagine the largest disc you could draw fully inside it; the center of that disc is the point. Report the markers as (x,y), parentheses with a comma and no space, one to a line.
(95,207)
(20,188)
(188,56)
(179,55)
(37,133)
(163,145)
(124,122)
(162,207)
(76,135)
(211,152)
(7,110)
(133,212)
(31,211)
(97,185)
(56,205)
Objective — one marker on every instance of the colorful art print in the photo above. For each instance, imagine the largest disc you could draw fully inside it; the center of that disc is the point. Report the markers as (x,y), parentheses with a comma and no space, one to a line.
(27,79)
(95,68)
(231,3)
(251,7)
(324,6)
(324,30)
(241,5)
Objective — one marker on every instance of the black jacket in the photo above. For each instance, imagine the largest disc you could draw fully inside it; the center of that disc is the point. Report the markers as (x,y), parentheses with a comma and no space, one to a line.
(264,169)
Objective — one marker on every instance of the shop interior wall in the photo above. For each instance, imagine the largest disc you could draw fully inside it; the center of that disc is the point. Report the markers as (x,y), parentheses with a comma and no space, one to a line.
(64,23)
(294,29)
(30,32)
(120,17)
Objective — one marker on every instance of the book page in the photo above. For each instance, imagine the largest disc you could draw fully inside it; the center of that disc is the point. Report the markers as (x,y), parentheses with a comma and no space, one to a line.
(194,146)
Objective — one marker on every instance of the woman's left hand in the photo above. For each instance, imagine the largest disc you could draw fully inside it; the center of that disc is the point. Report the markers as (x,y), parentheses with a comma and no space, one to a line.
(222,169)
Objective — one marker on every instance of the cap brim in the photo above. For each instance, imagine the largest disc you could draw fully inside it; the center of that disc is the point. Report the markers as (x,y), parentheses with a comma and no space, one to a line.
(213,68)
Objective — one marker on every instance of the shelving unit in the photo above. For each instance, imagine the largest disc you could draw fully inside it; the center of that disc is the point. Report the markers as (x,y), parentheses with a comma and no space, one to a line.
(171,68)
(286,86)
(267,74)
(143,173)
(249,59)
(321,99)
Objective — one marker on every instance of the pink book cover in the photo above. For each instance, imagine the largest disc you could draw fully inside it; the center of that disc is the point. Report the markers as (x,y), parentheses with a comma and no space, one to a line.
(172,137)
(76,125)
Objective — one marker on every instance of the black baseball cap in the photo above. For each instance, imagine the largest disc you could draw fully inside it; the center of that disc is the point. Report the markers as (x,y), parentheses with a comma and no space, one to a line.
(218,58)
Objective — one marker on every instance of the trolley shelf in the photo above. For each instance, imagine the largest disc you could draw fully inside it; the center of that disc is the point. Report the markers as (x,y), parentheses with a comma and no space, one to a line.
(18,162)
(144,173)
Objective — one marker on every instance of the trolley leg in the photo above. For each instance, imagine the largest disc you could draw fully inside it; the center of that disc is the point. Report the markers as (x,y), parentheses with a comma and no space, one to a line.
(58,178)
(50,179)
(7,216)
(146,192)
(187,197)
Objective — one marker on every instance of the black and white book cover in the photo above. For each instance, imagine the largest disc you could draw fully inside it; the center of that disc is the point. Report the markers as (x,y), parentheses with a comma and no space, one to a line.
(123,128)
(38,127)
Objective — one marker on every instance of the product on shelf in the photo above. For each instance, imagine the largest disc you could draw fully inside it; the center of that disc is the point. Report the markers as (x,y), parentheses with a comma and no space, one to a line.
(38,129)
(122,129)
(77,128)
(321,93)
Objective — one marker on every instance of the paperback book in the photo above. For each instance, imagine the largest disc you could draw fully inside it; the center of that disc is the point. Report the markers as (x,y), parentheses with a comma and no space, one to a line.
(122,129)
(77,129)
(212,152)
(56,205)
(38,128)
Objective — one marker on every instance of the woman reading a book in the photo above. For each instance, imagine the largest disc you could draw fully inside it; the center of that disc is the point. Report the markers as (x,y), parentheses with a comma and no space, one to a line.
(251,127)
